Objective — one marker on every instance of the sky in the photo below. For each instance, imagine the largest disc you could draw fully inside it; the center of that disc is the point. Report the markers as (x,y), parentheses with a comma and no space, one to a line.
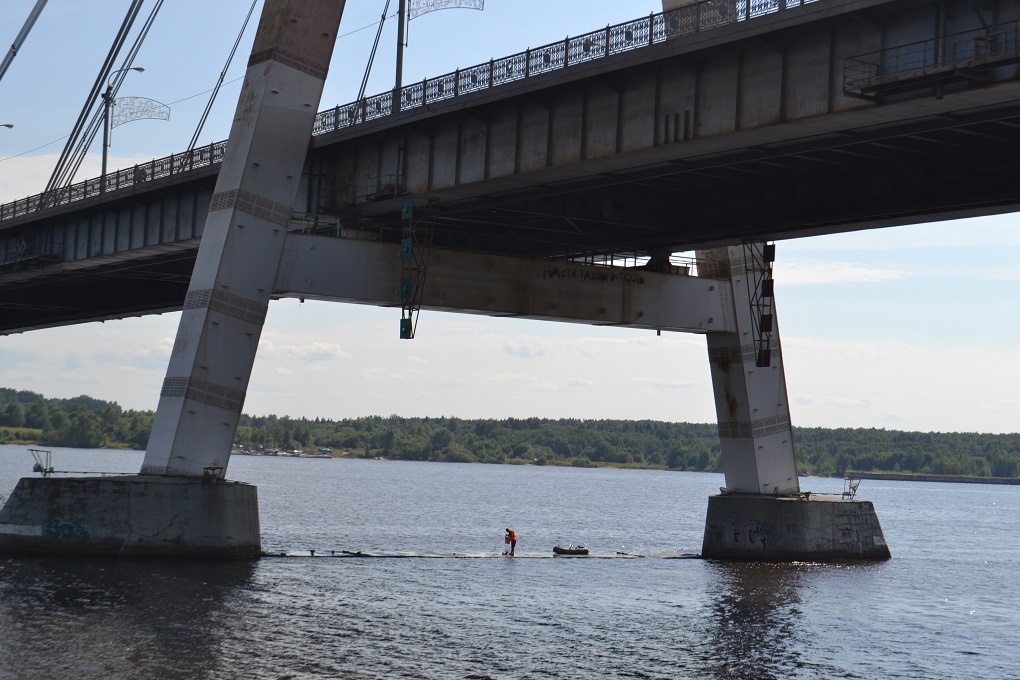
(909,328)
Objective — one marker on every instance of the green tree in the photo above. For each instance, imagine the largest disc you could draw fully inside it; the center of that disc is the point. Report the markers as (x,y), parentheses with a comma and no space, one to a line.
(84,430)
(13,415)
(37,415)
(58,419)
(440,440)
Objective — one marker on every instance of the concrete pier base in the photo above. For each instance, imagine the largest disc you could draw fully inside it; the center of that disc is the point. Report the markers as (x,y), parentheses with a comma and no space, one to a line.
(131,516)
(775,529)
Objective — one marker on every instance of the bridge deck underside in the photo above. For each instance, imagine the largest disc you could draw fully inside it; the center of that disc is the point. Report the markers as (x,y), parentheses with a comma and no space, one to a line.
(117,289)
(936,168)
(754,133)
(939,167)
(128,256)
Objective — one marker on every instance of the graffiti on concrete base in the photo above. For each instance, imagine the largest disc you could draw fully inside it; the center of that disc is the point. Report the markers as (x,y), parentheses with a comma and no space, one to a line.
(753,535)
(849,537)
(62,530)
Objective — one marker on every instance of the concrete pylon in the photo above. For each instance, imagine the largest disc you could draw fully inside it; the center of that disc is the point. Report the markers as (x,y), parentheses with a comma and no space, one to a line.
(180,506)
(243,242)
(761,514)
(751,403)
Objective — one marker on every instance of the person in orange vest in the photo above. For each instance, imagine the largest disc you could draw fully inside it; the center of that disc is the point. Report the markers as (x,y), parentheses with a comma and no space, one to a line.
(511,539)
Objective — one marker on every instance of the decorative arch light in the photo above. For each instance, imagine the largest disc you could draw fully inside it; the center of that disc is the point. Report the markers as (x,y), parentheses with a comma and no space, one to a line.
(419,7)
(127,109)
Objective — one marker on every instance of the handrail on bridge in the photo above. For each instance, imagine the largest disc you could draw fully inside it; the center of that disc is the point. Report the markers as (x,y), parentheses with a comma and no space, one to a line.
(120,179)
(631,35)
(689,19)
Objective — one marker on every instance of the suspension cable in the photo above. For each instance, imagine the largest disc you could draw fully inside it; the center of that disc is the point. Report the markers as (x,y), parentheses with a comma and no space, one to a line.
(60,175)
(85,130)
(223,74)
(29,23)
(118,79)
(371,57)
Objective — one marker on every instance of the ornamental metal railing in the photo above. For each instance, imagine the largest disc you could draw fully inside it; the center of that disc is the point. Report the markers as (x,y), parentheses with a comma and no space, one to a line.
(611,40)
(157,168)
(605,42)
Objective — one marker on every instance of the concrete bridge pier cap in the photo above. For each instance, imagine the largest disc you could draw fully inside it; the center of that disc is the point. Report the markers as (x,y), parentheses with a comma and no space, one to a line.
(180,505)
(761,513)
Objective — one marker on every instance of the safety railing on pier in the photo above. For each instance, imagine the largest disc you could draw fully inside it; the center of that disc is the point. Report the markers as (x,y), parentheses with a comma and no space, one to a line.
(23,254)
(681,265)
(605,42)
(933,58)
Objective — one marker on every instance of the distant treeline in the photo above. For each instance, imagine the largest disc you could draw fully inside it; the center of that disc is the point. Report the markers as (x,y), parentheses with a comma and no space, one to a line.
(81,422)
(91,423)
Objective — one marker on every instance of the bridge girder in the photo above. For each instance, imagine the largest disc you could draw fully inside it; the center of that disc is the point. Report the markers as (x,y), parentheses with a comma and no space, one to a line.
(857,179)
(750,130)
(363,272)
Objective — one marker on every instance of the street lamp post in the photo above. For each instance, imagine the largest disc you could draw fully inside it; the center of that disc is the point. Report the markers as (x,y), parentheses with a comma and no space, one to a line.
(107,105)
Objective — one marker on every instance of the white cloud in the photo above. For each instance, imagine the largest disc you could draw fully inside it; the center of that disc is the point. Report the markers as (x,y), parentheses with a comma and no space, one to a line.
(526,347)
(827,401)
(1003,404)
(936,385)
(841,382)
(115,352)
(24,176)
(302,350)
(546,387)
(993,231)
(660,384)
(994,273)
(796,272)
(511,378)
(381,374)
(316,351)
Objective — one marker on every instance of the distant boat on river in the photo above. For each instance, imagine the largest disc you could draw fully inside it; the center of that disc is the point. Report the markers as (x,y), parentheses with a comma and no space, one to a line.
(259,451)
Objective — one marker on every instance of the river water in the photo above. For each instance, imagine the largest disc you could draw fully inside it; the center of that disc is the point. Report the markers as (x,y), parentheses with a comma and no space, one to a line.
(443,603)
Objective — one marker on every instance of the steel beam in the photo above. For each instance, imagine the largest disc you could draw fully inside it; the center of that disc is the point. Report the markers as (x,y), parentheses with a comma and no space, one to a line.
(365,272)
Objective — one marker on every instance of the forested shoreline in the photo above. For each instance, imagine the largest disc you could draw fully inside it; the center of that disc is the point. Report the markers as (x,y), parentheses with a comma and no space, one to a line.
(85,422)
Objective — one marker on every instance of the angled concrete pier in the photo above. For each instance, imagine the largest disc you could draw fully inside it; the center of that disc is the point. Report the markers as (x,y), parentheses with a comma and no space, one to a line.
(179,506)
(762,514)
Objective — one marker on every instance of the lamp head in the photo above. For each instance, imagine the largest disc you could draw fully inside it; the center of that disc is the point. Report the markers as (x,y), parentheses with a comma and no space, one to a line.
(7,125)
(109,85)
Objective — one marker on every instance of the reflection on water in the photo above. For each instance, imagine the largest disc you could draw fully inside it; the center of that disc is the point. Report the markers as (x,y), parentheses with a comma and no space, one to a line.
(104,618)
(756,608)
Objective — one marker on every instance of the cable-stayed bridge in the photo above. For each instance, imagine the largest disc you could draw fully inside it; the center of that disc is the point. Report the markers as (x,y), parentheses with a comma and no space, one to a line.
(555,183)
(713,124)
